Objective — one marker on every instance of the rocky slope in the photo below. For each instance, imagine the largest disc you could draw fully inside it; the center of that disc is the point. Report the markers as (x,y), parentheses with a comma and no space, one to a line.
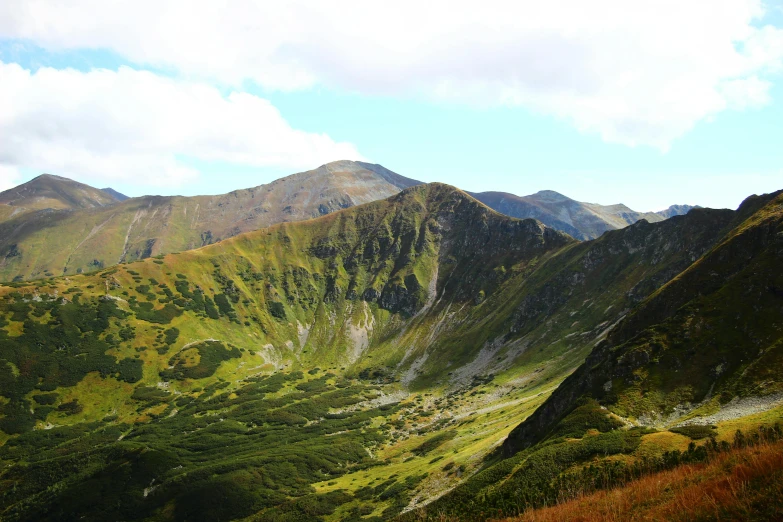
(698,347)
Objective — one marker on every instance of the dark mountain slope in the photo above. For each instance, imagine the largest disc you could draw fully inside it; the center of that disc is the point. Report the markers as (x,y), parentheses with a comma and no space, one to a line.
(712,334)
(564,303)
(699,351)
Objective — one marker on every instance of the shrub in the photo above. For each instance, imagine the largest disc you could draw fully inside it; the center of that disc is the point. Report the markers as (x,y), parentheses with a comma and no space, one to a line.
(46,398)
(171,335)
(150,394)
(210,355)
(276,309)
(70,408)
(130,370)
(210,309)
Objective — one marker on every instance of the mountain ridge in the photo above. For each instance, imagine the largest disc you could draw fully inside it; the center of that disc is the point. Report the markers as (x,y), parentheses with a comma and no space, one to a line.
(116,195)
(579,219)
(705,277)
(149,225)
(88,237)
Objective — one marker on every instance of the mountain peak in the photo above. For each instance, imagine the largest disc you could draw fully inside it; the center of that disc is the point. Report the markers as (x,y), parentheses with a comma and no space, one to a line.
(49,191)
(171,223)
(551,196)
(119,196)
(341,165)
(579,219)
(47,176)
(351,166)
(676,210)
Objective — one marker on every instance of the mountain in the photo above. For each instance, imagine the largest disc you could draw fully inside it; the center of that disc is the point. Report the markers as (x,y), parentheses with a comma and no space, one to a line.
(580,220)
(676,210)
(670,383)
(331,310)
(64,241)
(55,232)
(708,337)
(113,193)
(49,192)
(369,361)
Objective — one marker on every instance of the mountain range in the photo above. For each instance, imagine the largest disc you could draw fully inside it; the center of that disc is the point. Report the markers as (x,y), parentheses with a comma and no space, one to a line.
(53,226)
(580,220)
(415,357)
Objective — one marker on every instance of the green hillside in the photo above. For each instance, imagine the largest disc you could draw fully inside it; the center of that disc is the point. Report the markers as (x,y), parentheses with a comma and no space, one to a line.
(700,357)
(54,226)
(357,365)
(74,234)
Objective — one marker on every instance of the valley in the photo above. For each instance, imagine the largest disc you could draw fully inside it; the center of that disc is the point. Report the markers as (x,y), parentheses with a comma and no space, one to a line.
(391,262)
(418,356)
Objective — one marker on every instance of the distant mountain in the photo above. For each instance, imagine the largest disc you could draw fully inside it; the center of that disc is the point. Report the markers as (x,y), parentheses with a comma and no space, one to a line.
(56,226)
(113,193)
(580,220)
(676,210)
(51,192)
(102,231)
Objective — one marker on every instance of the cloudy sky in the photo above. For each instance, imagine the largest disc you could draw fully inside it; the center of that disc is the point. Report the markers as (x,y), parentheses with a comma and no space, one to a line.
(645,102)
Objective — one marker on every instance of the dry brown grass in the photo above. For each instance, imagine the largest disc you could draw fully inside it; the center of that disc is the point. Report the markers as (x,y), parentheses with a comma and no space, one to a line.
(745,484)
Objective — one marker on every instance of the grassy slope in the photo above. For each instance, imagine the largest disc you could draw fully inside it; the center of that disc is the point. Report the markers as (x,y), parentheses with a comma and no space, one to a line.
(515,308)
(672,361)
(712,331)
(63,241)
(744,484)
(313,270)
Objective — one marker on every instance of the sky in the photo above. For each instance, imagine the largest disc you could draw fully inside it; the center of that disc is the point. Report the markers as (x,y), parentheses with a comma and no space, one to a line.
(648,103)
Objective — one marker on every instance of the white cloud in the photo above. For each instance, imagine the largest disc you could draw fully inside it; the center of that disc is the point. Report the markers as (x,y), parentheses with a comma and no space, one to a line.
(131,125)
(642,72)
(9,177)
